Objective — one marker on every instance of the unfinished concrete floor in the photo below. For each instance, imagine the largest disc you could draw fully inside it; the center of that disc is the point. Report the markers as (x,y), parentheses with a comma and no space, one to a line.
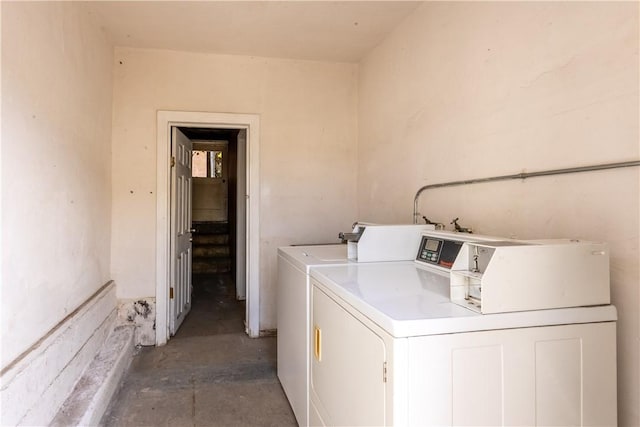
(209,374)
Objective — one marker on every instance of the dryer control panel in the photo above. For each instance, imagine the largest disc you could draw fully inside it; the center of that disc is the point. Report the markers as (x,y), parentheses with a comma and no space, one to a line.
(439,251)
(496,275)
(441,248)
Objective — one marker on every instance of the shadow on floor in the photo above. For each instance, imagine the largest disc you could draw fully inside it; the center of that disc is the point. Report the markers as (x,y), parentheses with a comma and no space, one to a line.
(210,374)
(214,309)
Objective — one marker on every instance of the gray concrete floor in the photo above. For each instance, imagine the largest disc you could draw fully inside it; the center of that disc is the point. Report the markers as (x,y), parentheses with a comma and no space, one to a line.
(209,374)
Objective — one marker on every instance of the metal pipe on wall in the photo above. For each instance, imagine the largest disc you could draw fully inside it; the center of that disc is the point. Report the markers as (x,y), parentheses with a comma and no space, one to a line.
(523,175)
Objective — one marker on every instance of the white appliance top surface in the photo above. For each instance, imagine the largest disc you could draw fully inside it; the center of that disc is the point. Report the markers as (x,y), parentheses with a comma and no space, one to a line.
(406,299)
(304,257)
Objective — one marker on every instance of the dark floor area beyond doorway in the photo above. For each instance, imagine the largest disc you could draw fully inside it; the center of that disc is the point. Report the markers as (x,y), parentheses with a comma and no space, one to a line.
(215,309)
(210,374)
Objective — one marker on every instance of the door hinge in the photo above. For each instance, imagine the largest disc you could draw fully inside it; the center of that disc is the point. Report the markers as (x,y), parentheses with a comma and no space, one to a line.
(170,293)
(384,372)
(173,161)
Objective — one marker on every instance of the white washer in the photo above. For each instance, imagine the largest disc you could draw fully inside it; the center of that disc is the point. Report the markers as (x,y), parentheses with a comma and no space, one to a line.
(293,297)
(294,289)
(389,348)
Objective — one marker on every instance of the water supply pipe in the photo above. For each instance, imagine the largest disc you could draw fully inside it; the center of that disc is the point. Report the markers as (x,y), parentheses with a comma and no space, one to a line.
(523,175)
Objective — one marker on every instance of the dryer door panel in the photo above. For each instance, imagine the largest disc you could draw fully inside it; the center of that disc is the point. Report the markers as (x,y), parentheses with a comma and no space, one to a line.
(347,366)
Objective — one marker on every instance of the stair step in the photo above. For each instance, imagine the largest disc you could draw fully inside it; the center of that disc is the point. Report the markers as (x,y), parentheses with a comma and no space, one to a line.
(211,227)
(211,251)
(211,266)
(210,239)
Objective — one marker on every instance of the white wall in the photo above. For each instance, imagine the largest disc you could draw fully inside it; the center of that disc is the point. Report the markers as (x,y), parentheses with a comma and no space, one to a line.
(464,90)
(307,150)
(56,169)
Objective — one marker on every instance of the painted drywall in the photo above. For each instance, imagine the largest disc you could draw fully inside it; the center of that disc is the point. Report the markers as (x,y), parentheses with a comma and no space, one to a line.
(307,150)
(209,199)
(471,90)
(56,169)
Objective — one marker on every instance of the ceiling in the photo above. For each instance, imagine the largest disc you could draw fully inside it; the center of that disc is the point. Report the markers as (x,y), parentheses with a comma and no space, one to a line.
(342,31)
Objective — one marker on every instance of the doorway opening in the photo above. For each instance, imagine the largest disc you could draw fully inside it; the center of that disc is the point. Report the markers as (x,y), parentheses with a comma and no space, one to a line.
(217,273)
(213,157)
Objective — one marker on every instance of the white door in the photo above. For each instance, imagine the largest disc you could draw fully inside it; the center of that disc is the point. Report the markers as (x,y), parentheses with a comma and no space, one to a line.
(180,286)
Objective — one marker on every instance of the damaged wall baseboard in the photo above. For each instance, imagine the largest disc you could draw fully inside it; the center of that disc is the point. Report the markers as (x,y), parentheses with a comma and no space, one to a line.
(141,313)
(35,385)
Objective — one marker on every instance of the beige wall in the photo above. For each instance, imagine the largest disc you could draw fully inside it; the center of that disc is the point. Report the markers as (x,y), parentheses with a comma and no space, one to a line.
(307,150)
(56,172)
(209,199)
(465,90)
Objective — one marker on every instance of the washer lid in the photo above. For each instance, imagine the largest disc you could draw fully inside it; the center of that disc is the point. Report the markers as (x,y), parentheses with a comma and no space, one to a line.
(305,256)
(406,300)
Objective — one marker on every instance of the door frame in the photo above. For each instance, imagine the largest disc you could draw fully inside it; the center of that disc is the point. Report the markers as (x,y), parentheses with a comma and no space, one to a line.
(250,122)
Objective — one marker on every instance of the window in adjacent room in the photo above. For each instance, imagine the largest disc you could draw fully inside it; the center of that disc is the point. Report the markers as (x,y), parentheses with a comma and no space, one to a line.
(207,163)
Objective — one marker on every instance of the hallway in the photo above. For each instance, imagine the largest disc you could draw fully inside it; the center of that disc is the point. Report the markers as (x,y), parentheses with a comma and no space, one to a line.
(210,374)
